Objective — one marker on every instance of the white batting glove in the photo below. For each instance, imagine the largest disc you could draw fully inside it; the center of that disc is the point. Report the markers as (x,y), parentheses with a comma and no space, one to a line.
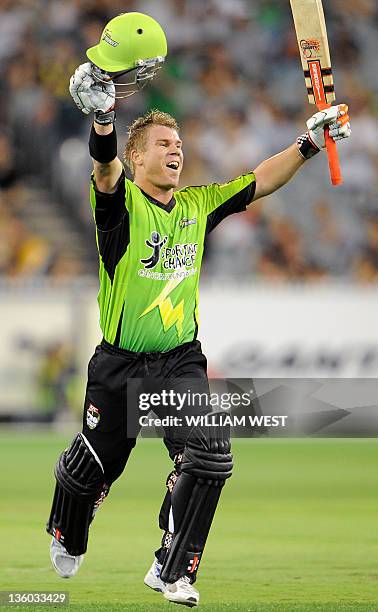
(338,120)
(88,93)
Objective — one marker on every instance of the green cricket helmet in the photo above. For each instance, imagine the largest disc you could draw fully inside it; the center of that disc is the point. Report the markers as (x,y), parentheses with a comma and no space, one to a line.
(131,44)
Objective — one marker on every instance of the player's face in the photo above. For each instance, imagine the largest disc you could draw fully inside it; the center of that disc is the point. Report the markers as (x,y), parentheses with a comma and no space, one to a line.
(162,159)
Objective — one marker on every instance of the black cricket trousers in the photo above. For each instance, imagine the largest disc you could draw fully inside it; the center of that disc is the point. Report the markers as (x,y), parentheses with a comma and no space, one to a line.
(106,409)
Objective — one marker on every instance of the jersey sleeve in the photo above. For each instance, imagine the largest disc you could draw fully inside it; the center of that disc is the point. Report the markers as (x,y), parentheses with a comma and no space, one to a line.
(112,223)
(109,209)
(219,200)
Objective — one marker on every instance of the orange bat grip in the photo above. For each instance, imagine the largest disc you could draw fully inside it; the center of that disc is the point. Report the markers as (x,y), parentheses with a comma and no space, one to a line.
(333,158)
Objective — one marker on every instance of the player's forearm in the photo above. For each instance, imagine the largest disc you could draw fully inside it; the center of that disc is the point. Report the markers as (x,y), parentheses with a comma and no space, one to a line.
(107,175)
(103,149)
(276,171)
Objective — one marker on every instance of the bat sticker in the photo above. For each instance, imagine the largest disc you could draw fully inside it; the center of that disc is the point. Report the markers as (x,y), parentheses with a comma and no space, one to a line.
(310,47)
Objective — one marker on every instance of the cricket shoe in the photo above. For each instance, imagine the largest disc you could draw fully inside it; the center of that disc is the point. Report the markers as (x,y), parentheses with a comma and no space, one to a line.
(182,592)
(152,578)
(64,564)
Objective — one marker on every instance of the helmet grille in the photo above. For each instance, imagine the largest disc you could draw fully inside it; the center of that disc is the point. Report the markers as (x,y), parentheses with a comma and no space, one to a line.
(136,78)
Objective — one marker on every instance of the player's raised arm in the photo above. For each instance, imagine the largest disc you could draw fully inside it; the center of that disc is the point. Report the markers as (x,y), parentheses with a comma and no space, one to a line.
(276,171)
(98,96)
(103,149)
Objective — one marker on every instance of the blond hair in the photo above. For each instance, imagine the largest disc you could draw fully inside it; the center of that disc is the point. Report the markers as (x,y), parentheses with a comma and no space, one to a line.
(137,132)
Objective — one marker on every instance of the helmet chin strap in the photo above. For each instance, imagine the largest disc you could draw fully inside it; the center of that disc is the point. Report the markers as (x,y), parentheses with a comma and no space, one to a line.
(139,76)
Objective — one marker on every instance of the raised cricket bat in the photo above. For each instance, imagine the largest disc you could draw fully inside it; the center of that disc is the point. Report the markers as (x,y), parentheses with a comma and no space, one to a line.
(316,62)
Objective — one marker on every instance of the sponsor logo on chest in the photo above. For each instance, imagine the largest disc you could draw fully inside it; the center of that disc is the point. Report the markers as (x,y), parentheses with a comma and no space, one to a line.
(177,256)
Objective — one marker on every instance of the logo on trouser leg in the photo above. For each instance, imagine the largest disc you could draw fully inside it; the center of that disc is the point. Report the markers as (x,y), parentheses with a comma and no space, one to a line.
(194,562)
(58,535)
(93,416)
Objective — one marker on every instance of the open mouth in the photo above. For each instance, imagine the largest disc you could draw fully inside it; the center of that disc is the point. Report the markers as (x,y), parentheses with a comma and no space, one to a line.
(173,165)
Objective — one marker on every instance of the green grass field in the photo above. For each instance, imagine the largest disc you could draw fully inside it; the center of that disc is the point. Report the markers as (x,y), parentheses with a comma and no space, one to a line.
(296,528)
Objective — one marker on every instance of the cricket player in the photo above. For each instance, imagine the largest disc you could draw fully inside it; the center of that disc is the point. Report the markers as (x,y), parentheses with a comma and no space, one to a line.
(150,238)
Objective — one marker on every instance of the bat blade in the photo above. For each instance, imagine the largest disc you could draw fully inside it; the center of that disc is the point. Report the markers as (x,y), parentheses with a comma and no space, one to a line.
(313,46)
(314,52)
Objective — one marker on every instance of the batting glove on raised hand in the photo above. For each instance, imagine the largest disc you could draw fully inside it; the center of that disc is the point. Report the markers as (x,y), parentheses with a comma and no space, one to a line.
(91,94)
(336,117)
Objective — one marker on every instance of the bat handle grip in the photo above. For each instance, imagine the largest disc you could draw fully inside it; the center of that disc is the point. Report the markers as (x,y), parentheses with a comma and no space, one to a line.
(333,158)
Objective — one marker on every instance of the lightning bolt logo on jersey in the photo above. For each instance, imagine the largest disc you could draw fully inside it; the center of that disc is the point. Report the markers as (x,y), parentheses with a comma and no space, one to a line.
(170,315)
(150,261)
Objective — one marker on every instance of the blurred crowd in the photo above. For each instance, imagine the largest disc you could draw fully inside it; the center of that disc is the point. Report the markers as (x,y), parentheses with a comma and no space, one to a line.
(233,80)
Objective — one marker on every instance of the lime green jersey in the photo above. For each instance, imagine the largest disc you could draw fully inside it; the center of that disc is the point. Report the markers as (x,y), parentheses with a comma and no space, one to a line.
(150,259)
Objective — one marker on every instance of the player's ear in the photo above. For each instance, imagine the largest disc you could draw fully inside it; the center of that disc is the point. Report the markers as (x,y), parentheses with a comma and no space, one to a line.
(136,157)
